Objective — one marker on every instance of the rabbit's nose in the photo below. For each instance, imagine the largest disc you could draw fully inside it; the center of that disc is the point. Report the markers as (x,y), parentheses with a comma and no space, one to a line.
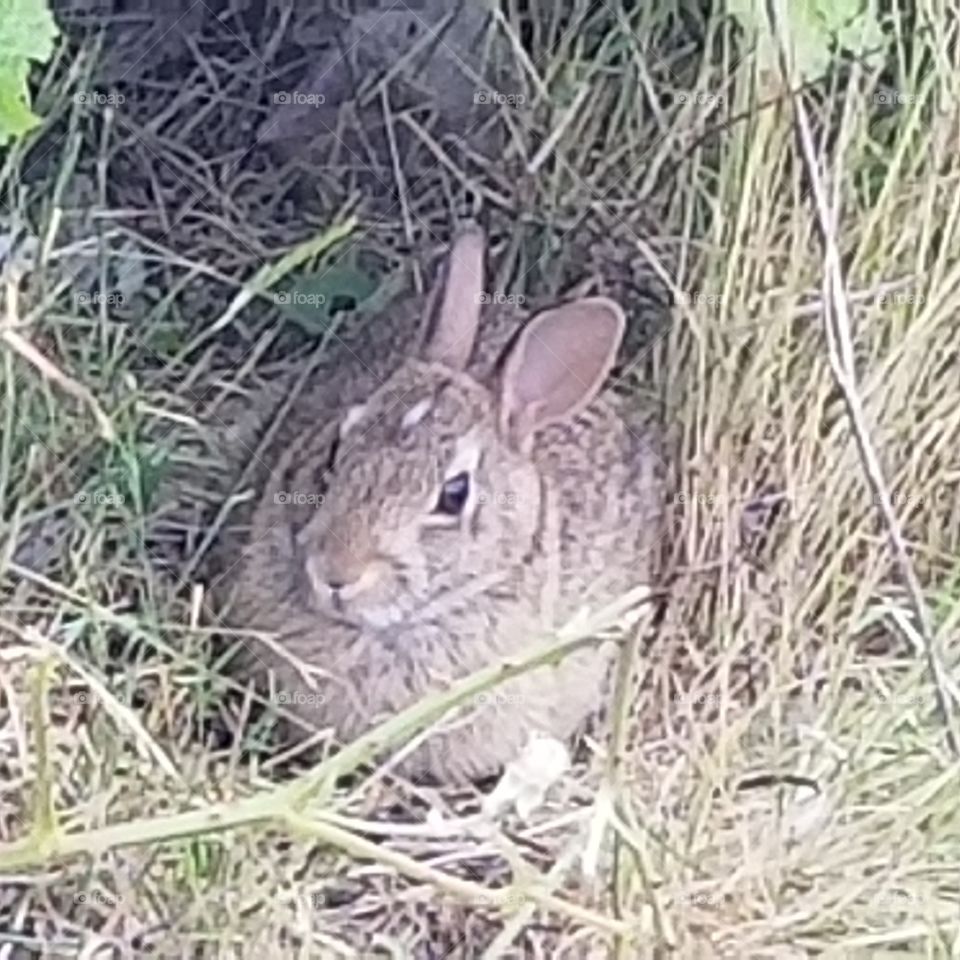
(335,583)
(345,572)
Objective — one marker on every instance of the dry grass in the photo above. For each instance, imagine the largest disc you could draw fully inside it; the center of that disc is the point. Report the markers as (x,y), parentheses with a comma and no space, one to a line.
(787,784)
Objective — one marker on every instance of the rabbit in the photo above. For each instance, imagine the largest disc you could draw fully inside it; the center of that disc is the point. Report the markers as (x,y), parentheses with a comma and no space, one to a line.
(468,505)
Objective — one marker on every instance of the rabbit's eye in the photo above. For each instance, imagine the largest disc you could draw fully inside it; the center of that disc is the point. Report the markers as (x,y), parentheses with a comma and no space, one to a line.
(453,495)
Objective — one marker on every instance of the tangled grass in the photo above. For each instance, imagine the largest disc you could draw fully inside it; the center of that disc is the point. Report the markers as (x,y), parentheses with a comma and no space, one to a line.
(782,776)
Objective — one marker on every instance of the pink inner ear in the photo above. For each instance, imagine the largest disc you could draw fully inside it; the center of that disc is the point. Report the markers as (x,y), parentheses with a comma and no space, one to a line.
(560,362)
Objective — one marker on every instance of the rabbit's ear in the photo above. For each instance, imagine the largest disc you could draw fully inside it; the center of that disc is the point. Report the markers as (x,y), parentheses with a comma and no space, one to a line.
(454,328)
(558,364)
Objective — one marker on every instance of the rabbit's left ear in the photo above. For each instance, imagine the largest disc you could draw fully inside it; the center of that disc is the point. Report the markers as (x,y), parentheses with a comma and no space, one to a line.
(558,364)
(454,327)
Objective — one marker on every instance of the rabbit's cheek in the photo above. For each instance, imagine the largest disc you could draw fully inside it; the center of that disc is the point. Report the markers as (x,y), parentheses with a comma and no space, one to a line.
(519,502)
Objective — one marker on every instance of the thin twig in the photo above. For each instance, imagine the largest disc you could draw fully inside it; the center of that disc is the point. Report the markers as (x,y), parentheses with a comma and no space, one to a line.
(361,848)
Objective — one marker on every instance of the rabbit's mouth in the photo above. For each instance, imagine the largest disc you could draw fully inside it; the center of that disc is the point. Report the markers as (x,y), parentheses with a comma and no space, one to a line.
(381,617)
(376,607)
(382,594)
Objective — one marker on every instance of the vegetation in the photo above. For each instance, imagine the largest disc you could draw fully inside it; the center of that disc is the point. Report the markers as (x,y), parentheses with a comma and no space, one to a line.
(783,773)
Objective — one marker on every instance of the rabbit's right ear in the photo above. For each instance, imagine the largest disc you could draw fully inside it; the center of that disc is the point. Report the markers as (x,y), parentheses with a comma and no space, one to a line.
(557,365)
(454,328)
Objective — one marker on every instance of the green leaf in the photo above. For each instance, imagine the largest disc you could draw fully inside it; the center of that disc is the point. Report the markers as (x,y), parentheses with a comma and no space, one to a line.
(27,30)
(16,118)
(816,29)
(27,34)
(313,300)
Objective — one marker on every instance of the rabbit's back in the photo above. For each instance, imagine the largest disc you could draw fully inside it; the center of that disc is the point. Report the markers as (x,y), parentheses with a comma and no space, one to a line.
(608,477)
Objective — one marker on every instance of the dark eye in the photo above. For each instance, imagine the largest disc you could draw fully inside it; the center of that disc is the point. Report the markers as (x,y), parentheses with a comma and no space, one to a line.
(454,495)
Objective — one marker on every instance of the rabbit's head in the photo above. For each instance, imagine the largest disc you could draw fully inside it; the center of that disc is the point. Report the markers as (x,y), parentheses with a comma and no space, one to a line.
(433,496)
